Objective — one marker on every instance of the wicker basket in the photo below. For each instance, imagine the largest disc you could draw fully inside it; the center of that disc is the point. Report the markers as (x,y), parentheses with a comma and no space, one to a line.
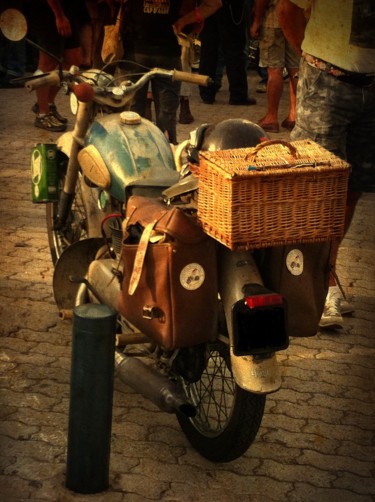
(276,193)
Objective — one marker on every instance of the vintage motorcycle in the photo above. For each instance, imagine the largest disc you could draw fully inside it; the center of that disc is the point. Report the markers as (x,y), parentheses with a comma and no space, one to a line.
(112,167)
(198,331)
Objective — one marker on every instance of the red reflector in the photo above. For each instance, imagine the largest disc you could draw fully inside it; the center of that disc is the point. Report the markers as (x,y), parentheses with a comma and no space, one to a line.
(254,302)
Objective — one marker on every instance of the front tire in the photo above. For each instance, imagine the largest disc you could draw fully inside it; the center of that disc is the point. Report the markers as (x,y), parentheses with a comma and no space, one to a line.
(228,418)
(74,229)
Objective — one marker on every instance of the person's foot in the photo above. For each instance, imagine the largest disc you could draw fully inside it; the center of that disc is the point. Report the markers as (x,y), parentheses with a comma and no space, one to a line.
(331,317)
(261,88)
(346,307)
(53,110)
(49,123)
(185,117)
(288,124)
(243,102)
(208,101)
(269,126)
(185,114)
(57,115)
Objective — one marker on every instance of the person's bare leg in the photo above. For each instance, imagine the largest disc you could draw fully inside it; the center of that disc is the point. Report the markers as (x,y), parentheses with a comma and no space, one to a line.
(45,64)
(87,45)
(292,72)
(274,91)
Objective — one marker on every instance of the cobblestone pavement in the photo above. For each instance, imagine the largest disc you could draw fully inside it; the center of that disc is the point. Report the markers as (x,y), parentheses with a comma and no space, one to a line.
(316,441)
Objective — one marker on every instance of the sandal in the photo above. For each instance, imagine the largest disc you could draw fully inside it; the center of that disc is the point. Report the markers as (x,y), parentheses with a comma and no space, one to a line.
(57,115)
(53,110)
(49,122)
(269,126)
(288,124)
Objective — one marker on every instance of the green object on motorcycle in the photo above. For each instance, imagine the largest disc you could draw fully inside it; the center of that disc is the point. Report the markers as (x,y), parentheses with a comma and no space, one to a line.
(44,173)
(136,154)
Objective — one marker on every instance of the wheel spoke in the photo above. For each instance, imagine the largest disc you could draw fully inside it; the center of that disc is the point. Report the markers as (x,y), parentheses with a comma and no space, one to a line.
(228,418)
(213,395)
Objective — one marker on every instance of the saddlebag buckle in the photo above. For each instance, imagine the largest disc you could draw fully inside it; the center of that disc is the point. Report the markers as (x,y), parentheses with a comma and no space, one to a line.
(153,312)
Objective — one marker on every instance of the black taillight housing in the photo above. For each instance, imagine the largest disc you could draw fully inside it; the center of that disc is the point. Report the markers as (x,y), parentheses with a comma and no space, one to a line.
(259,322)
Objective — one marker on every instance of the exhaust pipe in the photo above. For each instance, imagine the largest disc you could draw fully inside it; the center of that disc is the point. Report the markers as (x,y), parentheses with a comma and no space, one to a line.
(153,386)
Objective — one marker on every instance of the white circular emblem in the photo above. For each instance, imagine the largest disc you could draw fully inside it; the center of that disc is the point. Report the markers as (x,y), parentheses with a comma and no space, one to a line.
(294,262)
(192,276)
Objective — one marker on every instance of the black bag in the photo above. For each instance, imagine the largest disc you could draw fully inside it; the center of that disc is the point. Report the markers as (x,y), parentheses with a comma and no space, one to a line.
(299,272)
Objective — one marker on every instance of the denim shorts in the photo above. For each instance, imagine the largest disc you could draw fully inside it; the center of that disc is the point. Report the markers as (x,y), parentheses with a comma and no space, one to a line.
(340,117)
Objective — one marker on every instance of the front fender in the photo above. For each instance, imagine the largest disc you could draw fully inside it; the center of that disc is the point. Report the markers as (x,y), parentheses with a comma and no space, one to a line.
(64,142)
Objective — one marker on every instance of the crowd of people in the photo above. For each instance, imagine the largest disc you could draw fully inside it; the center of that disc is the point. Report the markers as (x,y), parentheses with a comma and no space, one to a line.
(151,34)
(327,49)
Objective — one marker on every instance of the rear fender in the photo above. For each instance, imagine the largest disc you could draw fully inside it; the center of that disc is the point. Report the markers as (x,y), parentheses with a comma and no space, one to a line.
(259,373)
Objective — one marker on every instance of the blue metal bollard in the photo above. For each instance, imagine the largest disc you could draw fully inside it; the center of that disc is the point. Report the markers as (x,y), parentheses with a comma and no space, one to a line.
(91,394)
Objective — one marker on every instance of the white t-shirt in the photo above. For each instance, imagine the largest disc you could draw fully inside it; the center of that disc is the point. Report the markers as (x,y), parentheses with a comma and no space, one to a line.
(341,32)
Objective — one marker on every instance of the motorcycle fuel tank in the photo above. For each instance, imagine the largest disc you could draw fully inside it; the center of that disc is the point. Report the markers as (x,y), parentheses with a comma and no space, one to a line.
(134,151)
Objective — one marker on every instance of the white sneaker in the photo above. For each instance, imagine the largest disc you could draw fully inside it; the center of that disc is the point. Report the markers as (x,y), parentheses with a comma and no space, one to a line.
(261,88)
(346,307)
(331,317)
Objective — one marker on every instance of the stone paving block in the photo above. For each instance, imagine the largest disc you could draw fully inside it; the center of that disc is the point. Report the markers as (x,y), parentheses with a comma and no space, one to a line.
(308,493)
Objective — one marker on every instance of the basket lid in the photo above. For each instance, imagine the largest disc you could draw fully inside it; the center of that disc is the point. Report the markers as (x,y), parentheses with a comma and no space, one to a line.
(274,154)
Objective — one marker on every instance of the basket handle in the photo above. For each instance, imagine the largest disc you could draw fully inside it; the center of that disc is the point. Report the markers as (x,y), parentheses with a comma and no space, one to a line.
(292,149)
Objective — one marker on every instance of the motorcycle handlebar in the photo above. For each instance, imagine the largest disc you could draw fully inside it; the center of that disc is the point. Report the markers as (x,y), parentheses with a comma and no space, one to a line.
(55,77)
(192,78)
(52,78)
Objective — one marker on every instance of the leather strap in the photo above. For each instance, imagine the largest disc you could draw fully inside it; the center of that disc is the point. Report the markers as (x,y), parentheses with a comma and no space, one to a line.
(140,257)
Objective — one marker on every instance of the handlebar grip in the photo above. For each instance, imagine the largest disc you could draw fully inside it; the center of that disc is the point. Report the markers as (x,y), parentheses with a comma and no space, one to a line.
(192,78)
(51,78)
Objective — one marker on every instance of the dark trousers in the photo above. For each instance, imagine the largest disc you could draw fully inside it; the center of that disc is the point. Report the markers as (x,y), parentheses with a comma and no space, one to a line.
(225,31)
(165,91)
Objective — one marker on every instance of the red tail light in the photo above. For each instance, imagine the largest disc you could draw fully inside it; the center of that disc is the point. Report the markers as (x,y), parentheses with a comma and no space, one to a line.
(265,300)
(259,322)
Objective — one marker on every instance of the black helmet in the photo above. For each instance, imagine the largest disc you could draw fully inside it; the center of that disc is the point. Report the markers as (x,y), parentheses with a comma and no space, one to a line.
(232,133)
(224,135)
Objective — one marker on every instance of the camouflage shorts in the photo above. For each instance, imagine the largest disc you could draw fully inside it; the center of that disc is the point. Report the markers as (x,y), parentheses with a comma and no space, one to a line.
(340,117)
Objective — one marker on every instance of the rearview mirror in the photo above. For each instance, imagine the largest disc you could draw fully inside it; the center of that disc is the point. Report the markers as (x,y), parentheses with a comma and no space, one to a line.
(13,25)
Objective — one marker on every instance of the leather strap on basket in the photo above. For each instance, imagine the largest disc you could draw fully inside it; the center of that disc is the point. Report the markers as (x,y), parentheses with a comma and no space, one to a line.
(140,257)
(292,149)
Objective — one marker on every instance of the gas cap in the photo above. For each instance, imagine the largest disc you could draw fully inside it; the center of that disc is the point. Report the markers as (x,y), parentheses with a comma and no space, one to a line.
(130,118)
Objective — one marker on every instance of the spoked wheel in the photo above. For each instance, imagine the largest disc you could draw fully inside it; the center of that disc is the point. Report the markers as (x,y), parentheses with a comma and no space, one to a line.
(228,418)
(75,227)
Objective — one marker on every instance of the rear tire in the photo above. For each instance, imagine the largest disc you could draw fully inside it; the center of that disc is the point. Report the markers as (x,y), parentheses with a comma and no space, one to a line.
(228,417)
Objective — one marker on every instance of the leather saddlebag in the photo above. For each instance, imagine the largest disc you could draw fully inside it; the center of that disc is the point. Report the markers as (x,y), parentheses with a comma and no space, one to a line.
(299,272)
(169,286)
